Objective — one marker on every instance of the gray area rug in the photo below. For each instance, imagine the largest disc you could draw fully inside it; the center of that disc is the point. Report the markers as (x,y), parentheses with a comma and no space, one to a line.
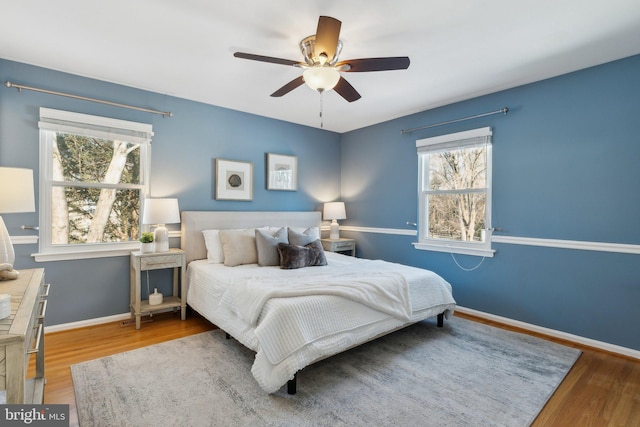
(465,374)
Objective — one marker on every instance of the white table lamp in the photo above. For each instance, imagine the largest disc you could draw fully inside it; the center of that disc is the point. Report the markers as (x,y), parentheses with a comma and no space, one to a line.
(16,196)
(334,211)
(161,212)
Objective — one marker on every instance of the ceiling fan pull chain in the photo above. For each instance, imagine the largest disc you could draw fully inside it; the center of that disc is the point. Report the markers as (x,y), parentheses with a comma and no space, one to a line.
(321,106)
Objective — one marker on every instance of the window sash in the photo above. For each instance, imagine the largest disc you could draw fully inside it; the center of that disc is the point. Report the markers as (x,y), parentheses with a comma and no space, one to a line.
(81,184)
(429,146)
(426,229)
(53,121)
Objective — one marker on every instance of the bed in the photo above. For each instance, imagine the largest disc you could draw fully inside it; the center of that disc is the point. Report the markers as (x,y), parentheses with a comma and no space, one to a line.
(295,316)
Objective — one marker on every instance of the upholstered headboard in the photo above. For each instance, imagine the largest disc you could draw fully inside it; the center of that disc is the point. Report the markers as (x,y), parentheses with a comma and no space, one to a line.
(193,222)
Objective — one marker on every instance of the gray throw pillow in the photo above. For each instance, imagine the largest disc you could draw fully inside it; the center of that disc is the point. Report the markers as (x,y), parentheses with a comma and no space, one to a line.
(267,245)
(295,256)
(303,237)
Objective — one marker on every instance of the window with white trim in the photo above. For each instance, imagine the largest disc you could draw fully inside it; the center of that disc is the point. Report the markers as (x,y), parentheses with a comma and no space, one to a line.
(455,193)
(93,181)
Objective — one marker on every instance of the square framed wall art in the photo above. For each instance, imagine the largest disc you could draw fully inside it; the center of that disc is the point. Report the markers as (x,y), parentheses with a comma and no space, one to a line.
(282,172)
(233,180)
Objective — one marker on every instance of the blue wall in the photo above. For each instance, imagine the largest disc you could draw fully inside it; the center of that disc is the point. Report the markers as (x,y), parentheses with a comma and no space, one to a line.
(183,150)
(565,166)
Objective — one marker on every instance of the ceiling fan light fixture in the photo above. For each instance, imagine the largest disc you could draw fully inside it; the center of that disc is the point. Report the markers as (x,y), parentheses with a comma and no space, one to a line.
(321,78)
(322,69)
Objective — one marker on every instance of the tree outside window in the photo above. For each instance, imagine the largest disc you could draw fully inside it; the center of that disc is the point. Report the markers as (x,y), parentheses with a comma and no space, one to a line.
(456,198)
(95,193)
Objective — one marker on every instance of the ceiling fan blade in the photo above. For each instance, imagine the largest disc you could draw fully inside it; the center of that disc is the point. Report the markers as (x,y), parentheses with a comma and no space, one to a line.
(298,81)
(375,64)
(346,91)
(327,35)
(266,59)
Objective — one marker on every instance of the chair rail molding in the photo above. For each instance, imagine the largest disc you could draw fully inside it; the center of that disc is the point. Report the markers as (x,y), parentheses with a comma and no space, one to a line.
(622,248)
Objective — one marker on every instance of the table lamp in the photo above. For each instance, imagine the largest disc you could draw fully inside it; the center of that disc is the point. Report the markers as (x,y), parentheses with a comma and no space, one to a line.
(334,211)
(17,196)
(161,212)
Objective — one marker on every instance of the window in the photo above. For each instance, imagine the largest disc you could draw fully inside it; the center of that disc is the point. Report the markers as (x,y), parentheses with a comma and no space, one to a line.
(93,180)
(455,193)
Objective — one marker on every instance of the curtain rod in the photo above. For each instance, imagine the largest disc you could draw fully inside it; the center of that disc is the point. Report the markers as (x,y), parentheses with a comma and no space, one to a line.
(68,95)
(504,110)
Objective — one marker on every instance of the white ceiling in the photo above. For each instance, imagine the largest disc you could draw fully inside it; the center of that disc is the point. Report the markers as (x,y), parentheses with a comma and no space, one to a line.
(458,49)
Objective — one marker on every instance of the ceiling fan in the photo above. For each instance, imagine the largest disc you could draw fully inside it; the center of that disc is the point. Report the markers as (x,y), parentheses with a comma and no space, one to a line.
(321,66)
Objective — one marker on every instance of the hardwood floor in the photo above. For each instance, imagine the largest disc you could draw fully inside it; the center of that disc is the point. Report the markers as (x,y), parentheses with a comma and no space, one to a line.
(600,390)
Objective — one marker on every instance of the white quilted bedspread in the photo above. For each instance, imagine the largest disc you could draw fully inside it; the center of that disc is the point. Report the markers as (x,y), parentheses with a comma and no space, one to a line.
(290,328)
(385,291)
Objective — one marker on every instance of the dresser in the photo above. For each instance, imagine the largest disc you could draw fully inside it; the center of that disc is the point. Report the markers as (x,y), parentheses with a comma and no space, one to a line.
(22,337)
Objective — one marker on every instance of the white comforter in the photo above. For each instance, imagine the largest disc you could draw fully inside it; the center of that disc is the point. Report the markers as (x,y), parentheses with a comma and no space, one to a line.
(290,328)
(385,291)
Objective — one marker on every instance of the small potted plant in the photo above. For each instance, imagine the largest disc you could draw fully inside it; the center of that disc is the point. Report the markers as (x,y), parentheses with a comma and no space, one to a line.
(147,245)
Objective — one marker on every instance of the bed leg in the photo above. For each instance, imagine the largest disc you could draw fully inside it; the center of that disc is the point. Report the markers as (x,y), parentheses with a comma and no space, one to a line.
(291,384)
(440,320)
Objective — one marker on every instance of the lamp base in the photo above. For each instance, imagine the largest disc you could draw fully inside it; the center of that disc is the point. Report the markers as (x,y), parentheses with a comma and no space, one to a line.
(334,230)
(161,238)
(7,255)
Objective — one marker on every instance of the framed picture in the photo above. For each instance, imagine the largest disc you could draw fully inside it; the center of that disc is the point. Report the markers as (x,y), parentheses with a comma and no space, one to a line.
(282,172)
(233,180)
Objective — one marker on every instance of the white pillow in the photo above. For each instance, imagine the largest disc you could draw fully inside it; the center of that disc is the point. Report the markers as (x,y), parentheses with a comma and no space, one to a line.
(214,246)
(215,254)
(239,247)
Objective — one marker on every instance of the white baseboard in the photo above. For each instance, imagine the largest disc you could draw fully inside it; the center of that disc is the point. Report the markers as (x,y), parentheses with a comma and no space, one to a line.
(88,322)
(600,345)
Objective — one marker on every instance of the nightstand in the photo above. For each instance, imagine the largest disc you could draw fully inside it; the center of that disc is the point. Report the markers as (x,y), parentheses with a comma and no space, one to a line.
(339,245)
(140,262)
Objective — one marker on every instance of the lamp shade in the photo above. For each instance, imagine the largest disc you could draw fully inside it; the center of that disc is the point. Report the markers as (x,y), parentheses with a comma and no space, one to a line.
(334,210)
(161,211)
(17,190)
(321,78)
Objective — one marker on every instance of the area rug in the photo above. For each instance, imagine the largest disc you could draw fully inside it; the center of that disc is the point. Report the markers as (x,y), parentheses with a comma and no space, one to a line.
(464,374)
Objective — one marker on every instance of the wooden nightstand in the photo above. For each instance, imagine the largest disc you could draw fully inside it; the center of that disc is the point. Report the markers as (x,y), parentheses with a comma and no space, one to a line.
(340,245)
(140,262)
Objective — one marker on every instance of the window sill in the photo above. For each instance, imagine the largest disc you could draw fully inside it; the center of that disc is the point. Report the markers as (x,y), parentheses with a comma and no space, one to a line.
(84,253)
(462,250)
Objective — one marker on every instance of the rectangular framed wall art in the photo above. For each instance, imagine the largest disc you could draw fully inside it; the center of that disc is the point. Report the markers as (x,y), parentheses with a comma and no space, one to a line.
(233,180)
(282,172)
